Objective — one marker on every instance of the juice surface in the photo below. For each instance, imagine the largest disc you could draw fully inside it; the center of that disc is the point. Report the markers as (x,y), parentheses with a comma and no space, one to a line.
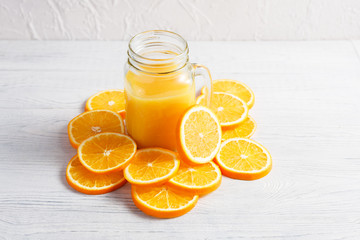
(154,103)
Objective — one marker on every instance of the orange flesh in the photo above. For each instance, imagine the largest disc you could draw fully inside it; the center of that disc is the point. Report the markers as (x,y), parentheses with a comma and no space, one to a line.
(201,135)
(111,100)
(163,197)
(195,175)
(232,87)
(246,129)
(243,157)
(149,165)
(88,182)
(106,151)
(92,123)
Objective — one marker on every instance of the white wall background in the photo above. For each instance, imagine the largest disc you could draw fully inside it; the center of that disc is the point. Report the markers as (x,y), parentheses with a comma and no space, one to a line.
(194,19)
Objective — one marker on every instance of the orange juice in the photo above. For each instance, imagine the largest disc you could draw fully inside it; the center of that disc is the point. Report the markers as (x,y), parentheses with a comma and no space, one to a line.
(154,102)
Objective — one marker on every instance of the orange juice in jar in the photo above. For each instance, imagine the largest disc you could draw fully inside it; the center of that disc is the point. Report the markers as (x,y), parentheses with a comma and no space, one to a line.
(159,87)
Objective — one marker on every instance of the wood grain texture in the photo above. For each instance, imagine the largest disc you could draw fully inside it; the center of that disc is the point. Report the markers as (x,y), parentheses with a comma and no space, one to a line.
(307,108)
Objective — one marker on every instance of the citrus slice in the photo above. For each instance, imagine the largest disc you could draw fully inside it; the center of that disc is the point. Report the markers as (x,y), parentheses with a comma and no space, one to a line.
(106,152)
(91,123)
(152,166)
(204,90)
(112,99)
(163,201)
(198,135)
(199,179)
(236,88)
(245,130)
(245,159)
(88,182)
(201,100)
(229,109)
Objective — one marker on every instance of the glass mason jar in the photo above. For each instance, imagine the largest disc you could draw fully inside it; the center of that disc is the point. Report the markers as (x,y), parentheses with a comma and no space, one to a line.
(159,87)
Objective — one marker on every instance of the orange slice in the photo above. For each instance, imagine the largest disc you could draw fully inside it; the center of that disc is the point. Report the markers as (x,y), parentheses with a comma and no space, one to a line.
(204,90)
(198,135)
(245,159)
(152,166)
(106,152)
(199,179)
(112,99)
(236,88)
(91,123)
(88,182)
(163,201)
(201,100)
(229,109)
(245,130)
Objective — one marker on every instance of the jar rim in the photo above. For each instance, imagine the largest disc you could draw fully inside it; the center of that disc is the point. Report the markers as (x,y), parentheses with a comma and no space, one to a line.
(157,73)
(184,51)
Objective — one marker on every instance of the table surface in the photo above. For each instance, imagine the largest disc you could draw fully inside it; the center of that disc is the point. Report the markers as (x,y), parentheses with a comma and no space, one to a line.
(307,109)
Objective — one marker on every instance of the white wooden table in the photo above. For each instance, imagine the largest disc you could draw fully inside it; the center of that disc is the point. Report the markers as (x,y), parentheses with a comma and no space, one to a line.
(308,113)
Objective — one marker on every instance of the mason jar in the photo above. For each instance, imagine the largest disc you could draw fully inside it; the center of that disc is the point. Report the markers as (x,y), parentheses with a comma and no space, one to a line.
(159,87)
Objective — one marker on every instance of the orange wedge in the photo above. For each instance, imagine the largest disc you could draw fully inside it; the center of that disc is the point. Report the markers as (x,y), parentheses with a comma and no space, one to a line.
(88,182)
(152,166)
(245,130)
(106,152)
(236,88)
(229,109)
(198,135)
(112,99)
(94,122)
(245,159)
(163,201)
(198,179)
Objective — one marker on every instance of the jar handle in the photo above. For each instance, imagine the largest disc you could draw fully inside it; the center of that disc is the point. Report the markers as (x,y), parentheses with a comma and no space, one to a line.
(201,70)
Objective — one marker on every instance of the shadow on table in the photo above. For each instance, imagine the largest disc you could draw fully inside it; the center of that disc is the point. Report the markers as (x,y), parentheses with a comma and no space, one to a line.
(68,153)
(123,196)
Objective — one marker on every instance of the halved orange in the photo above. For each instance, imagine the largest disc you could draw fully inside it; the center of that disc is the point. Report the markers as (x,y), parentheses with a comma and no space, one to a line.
(106,152)
(88,182)
(236,88)
(198,179)
(112,99)
(152,166)
(94,122)
(163,201)
(198,135)
(243,158)
(229,109)
(244,130)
